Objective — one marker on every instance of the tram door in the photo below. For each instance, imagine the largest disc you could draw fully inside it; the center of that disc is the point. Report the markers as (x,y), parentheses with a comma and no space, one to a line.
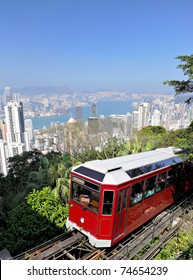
(120,213)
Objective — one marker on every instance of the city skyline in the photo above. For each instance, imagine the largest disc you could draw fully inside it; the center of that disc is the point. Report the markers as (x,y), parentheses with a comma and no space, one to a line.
(91,45)
(79,134)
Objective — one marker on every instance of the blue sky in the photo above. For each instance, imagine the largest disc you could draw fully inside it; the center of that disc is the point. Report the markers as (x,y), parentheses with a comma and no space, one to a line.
(122,45)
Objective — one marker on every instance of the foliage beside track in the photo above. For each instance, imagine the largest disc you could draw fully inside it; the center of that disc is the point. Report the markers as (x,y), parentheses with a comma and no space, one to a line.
(34,194)
(178,248)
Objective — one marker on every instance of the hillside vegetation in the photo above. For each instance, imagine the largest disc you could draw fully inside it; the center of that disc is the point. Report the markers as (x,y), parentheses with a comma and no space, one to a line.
(34,195)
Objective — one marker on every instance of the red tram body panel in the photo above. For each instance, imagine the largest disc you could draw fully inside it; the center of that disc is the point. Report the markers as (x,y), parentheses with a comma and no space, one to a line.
(111,198)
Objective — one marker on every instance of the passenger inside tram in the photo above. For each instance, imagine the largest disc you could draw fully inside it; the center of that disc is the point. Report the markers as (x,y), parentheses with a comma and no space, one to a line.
(137,193)
(150,186)
(161,181)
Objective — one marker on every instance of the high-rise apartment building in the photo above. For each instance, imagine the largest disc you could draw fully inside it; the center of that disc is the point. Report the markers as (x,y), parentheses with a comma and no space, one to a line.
(93,110)
(28,135)
(156,118)
(15,127)
(3,157)
(135,119)
(144,114)
(78,113)
(93,122)
(7,95)
(15,139)
(69,132)
(3,130)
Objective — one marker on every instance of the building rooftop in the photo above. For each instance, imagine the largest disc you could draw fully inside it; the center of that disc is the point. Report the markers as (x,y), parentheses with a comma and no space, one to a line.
(71,120)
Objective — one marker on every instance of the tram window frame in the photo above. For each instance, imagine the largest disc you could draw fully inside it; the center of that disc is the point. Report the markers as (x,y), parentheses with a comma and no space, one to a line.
(176,172)
(136,195)
(85,196)
(128,199)
(119,201)
(107,208)
(122,198)
(171,178)
(150,185)
(161,182)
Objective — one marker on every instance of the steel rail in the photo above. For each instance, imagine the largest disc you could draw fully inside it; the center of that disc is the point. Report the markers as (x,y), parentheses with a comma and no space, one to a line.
(134,244)
(74,246)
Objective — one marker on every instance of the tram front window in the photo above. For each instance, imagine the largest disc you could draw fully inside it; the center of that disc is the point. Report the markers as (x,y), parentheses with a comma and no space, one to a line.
(85,196)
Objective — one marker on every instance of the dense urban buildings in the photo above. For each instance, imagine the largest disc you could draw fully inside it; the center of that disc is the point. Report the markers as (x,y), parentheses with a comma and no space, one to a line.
(15,139)
(77,134)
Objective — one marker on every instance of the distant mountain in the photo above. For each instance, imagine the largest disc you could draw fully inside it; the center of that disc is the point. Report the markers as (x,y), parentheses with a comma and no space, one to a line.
(50,90)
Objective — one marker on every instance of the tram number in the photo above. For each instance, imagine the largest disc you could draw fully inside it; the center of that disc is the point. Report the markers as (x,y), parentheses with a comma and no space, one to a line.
(141,270)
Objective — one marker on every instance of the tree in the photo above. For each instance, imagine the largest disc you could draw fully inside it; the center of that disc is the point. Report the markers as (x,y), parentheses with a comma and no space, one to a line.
(87,155)
(150,137)
(111,149)
(19,168)
(153,130)
(47,205)
(25,229)
(185,86)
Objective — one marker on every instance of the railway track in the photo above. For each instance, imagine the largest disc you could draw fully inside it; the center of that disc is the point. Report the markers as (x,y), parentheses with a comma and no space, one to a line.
(74,245)
(62,247)
(41,247)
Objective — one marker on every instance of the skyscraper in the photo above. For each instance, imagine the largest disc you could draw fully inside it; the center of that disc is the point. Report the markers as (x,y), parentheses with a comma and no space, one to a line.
(28,135)
(15,127)
(69,132)
(93,124)
(156,118)
(135,119)
(78,113)
(144,113)
(7,95)
(3,157)
(93,110)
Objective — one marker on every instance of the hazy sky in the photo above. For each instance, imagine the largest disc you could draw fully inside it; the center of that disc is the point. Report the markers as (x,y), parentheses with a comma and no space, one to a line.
(123,45)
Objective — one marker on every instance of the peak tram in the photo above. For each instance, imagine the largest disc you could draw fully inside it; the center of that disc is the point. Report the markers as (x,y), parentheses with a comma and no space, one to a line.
(111,198)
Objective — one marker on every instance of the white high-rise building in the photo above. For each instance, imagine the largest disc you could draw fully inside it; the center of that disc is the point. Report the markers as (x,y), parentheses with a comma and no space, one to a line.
(129,120)
(28,135)
(144,112)
(135,119)
(7,95)
(156,118)
(3,157)
(15,127)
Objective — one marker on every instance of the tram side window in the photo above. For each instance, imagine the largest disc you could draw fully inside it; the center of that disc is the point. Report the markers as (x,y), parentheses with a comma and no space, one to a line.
(150,186)
(108,202)
(136,193)
(171,177)
(161,182)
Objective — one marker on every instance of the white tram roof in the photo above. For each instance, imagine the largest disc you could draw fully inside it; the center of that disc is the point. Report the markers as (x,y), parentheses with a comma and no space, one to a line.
(119,170)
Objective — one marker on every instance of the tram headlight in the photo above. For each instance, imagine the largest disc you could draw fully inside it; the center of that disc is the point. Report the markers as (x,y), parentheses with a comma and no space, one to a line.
(82,220)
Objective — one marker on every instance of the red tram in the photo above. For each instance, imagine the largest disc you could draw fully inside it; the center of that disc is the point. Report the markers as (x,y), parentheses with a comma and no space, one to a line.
(111,198)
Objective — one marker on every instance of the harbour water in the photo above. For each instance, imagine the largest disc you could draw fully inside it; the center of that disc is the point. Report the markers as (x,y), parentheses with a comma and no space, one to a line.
(105,108)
